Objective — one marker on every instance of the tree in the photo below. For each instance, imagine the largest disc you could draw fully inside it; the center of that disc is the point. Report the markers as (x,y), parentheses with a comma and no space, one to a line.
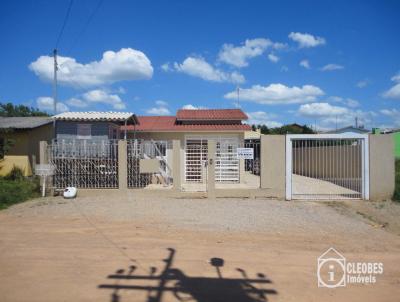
(285,129)
(9,110)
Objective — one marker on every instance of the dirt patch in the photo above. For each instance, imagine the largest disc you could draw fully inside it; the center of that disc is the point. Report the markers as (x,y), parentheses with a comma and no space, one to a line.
(129,249)
(379,214)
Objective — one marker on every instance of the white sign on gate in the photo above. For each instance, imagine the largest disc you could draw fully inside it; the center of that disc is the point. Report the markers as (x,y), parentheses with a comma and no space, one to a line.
(245,153)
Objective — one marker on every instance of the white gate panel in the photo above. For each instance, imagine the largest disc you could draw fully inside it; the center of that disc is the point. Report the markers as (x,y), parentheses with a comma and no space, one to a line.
(327,166)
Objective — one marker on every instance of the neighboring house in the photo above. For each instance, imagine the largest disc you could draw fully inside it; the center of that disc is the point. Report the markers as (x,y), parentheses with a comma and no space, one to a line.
(349,129)
(92,125)
(25,134)
(194,128)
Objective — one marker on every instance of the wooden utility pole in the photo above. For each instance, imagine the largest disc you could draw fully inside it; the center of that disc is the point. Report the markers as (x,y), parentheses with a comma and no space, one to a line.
(55,82)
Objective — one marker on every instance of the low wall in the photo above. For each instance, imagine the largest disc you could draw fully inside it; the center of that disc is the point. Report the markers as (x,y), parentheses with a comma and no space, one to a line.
(273,164)
(381,166)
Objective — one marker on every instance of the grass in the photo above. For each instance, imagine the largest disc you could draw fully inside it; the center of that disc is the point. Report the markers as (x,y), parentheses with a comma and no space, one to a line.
(396,194)
(15,188)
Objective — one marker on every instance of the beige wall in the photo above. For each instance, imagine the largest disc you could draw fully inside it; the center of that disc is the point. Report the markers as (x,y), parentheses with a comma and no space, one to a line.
(273,164)
(381,167)
(27,141)
(328,161)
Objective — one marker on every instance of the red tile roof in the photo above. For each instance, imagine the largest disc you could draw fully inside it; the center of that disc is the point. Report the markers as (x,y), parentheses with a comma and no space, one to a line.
(168,124)
(211,114)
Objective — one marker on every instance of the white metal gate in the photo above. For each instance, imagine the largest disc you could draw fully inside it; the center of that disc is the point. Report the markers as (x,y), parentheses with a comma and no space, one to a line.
(327,166)
(226,161)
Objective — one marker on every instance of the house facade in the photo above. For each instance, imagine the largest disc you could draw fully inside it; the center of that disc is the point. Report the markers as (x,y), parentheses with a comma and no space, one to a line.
(193,128)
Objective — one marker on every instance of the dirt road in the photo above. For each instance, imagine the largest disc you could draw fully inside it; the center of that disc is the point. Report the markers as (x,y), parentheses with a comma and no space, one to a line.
(122,248)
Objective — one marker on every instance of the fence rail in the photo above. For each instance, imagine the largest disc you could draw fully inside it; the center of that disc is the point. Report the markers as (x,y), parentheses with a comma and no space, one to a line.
(84,163)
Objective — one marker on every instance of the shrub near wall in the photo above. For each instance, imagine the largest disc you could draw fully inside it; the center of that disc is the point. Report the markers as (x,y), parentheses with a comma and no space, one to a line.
(15,188)
(396,195)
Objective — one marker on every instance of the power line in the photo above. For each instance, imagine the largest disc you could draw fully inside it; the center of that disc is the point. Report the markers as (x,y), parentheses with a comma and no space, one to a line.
(65,22)
(88,21)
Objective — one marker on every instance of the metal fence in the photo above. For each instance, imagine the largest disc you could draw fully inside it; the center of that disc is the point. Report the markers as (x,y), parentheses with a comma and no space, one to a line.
(84,163)
(327,167)
(142,150)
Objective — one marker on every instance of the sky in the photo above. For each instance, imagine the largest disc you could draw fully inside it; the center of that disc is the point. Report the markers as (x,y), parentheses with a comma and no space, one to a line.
(320,63)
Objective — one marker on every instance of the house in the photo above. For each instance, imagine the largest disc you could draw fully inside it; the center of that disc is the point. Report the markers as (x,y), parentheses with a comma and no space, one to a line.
(193,128)
(92,125)
(24,133)
(349,129)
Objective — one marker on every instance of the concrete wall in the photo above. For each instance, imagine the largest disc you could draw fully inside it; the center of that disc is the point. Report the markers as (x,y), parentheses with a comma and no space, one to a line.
(381,167)
(273,164)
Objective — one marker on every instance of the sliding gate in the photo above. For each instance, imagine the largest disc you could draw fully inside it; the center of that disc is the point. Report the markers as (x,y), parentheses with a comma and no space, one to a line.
(327,166)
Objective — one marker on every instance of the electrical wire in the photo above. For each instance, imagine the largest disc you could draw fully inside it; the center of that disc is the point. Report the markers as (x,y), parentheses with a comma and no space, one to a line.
(88,21)
(64,23)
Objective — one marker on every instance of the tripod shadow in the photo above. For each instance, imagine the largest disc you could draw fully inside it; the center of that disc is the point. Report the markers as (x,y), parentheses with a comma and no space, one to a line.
(186,288)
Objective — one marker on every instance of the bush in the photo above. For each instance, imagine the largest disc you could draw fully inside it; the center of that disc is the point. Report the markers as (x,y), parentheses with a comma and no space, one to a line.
(15,191)
(396,194)
(16,173)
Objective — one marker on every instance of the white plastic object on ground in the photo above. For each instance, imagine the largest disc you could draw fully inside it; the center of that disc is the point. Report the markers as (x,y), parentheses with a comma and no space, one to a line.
(70,192)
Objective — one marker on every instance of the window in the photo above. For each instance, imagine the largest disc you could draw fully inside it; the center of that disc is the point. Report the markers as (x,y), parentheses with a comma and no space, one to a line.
(84,131)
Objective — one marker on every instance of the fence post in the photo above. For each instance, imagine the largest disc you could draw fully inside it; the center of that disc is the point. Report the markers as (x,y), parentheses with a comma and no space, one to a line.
(43,156)
(176,164)
(211,169)
(122,165)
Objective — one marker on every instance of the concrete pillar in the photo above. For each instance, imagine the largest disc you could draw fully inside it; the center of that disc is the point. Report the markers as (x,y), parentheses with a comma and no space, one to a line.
(273,164)
(43,156)
(122,165)
(176,164)
(381,166)
(211,169)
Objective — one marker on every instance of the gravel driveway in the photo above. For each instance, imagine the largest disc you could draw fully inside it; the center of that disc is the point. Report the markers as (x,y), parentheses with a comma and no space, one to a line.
(234,215)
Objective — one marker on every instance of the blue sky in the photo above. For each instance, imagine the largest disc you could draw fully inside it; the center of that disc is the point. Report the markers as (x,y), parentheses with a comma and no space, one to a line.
(313,62)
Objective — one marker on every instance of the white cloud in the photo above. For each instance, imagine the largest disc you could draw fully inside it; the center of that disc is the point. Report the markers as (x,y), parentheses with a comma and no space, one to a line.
(239,56)
(273,58)
(305,64)
(262,118)
(102,96)
(346,101)
(284,68)
(277,94)
(74,102)
(158,111)
(192,107)
(198,67)
(391,112)
(166,67)
(125,64)
(331,67)
(46,103)
(306,40)
(161,108)
(328,116)
(363,83)
(161,103)
(321,110)
(393,92)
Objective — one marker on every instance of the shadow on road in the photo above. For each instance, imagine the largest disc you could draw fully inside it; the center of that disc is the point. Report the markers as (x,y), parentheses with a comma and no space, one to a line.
(186,288)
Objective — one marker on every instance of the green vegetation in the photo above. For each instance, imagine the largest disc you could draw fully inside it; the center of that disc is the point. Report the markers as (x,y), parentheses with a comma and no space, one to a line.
(285,129)
(10,109)
(15,188)
(396,194)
